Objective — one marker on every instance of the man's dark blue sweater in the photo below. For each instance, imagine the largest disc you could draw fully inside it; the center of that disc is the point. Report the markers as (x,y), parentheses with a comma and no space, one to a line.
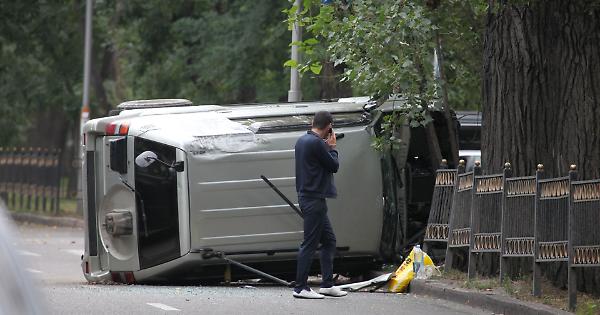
(315,164)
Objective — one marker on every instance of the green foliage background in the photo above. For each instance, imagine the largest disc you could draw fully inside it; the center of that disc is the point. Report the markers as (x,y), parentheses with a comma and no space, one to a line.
(210,52)
(387,47)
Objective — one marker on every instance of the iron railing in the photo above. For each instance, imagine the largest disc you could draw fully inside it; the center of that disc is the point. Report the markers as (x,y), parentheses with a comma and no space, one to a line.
(548,220)
(460,214)
(518,218)
(584,234)
(441,204)
(486,216)
(30,178)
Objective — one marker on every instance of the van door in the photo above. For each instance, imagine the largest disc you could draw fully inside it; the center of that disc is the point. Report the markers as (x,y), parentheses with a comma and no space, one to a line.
(158,204)
(117,214)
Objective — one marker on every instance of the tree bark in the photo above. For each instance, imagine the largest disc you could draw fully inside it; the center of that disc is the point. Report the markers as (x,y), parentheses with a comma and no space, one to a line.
(48,129)
(331,87)
(541,91)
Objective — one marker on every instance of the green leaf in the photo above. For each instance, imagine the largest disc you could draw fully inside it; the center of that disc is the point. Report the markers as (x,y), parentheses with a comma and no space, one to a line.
(291,63)
(311,41)
(316,68)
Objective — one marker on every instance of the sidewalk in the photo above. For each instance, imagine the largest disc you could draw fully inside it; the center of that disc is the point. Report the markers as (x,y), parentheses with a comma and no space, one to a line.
(24,217)
(498,304)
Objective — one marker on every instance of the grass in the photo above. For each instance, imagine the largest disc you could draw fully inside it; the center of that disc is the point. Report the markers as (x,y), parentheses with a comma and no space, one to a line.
(67,204)
(67,207)
(521,288)
(482,284)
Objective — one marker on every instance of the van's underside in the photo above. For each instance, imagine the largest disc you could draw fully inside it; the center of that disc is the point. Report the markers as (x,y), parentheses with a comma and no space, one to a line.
(192,268)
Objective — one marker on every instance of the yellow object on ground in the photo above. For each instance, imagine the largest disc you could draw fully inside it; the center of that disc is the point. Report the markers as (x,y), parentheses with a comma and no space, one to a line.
(404,274)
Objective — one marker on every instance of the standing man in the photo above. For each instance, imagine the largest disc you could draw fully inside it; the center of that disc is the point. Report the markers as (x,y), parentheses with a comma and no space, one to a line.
(316,161)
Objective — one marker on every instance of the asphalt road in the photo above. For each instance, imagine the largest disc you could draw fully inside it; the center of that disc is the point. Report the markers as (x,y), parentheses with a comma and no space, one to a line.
(52,257)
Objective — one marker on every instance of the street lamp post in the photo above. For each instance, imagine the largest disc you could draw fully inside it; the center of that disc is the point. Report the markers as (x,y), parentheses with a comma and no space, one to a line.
(295,92)
(85,108)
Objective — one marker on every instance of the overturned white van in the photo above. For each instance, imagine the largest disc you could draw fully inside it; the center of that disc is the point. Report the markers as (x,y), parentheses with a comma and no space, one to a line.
(167,183)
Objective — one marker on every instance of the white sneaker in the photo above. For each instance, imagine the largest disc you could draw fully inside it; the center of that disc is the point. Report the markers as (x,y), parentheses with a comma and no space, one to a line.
(308,294)
(333,291)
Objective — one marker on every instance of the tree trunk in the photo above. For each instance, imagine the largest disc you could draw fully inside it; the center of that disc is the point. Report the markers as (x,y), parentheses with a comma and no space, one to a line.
(331,87)
(49,129)
(541,90)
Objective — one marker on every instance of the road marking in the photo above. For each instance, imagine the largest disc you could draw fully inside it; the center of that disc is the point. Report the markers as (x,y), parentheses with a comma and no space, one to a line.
(77,252)
(163,307)
(26,253)
(33,270)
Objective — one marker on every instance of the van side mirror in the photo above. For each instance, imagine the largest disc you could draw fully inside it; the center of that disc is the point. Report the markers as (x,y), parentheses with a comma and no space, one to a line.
(146,158)
(118,155)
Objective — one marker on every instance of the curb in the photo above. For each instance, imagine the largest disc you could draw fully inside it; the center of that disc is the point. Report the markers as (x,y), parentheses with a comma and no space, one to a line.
(46,220)
(490,302)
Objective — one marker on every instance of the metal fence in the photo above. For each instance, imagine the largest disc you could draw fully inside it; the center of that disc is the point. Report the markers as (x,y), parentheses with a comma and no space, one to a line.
(460,216)
(30,178)
(584,234)
(548,220)
(441,204)
(518,218)
(486,216)
(551,223)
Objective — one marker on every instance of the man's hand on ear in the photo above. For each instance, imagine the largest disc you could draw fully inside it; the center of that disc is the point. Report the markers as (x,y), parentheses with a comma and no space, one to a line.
(331,140)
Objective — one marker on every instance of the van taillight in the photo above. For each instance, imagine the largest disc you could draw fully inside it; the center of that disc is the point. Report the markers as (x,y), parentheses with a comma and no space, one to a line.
(129,278)
(123,277)
(117,129)
(115,276)
(124,129)
(87,267)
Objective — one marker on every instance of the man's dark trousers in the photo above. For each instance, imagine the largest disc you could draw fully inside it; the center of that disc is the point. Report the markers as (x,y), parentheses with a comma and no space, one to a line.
(317,229)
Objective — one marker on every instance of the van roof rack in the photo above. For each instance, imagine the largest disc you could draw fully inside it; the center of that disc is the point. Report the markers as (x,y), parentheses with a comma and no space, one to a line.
(155,103)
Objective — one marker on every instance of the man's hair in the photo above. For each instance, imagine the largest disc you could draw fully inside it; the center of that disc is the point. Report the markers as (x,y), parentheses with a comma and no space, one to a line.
(322,119)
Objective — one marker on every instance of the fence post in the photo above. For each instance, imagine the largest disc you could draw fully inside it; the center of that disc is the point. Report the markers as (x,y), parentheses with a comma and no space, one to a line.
(571,275)
(461,166)
(537,271)
(507,174)
(22,159)
(472,258)
(28,177)
(444,164)
(12,177)
(44,178)
(36,177)
(56,165)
